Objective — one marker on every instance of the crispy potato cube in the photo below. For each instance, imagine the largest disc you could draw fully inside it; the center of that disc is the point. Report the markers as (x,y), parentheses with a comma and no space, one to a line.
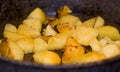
(96,46)
(49,31)
(111,50)
(65,28)
(14,36)
(26,44)
(99,22)
(37,14)
(69,19)
(10,27)
(28,31)
(109,31)
(57,42)
(47,58)
(39,45)
(72,52)
(11,50)
(85,34)
(34,23)
(91,57)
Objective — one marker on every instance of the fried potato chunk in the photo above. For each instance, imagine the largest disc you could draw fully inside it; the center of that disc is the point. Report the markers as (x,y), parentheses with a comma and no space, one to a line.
(83,35)
(10,27)
(37,14)
(73,52)
(34,23)
(47,58)
(28,31)
(39,45)
(26,44)
(57,42)
(109,31)
(11,50)
(91,57)
(111,50)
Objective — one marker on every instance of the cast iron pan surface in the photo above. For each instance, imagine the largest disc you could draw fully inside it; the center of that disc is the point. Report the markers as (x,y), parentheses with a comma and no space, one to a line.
(14,11)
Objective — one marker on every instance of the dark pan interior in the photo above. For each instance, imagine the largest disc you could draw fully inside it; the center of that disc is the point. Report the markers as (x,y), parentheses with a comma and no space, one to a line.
(14,11)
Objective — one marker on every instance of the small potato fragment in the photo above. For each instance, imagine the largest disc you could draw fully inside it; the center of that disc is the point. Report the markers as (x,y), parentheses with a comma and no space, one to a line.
(11,50)
(109,31)
(83,35)
(72,52)
(90,22)
(57,42)
(96,46)
(49,31)
(39,45)
(14,36)
(111,50)
(26,44)
(10,27)
(47,58)
(91,57)
(37,14)
(69,19)
(99,22)
(34,23)
(28,31)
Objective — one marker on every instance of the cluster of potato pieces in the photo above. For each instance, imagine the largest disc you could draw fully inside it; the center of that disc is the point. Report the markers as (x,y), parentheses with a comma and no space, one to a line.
(65,33)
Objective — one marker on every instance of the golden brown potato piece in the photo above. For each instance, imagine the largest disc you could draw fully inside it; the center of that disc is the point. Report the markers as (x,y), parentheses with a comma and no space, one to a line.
(39,45)
(64,10)
(109,31)
(96,46)
(37,14)
(73,52)
(47,58)
(28,31)
(95,22)
(49,31)
(65,28)
(11,50)
(45,38)
(26,44)
(10,27)
(69,19)
(57,42)
(34,23)
(14,36)
(83,35)
(91,57)
(111,50)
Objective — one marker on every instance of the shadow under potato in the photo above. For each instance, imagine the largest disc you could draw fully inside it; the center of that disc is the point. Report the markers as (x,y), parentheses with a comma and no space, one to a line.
(15,11)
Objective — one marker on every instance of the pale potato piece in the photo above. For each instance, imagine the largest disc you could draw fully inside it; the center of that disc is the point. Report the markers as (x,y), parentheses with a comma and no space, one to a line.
(34,23)
(72,52)
(14,36)
(85,34)
(111,50)
(10,27)
(91,57)
(95,22)
(49,31)
(47,58)
(57,42)
(109,31)
(96,46)
(70,19)
(90,22)
(11,50)
(99,22)
(26,44)
(37,14)
(65,28)
(39,45)
(28,31)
